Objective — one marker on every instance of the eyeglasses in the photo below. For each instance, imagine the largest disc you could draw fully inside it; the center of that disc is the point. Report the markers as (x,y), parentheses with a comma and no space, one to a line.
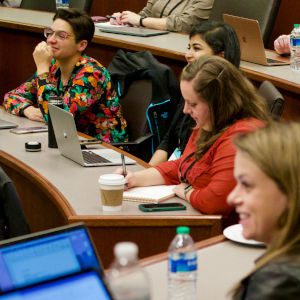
(59,34)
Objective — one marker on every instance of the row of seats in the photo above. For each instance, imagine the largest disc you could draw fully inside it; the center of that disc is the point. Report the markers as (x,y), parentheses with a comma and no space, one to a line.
(50,5)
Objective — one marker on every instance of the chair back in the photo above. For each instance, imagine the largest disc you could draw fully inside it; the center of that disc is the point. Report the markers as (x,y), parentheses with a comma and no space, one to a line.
(12,220)
(50,5)
(134,106)
(264,11)
(84,5)
(274,98)
(44,5)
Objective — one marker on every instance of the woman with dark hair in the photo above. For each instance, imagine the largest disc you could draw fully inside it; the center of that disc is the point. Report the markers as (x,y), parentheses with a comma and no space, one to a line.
(267,200)
(63,70)
(208,38)
(223,103)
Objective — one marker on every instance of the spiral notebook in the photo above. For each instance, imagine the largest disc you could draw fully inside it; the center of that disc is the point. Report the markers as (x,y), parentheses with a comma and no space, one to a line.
(149,194)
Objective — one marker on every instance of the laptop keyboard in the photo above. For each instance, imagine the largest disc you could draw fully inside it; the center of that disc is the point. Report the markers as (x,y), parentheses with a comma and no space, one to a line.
(90,157)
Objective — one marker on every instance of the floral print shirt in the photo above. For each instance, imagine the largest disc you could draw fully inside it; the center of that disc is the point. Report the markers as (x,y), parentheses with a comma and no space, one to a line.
(89,96)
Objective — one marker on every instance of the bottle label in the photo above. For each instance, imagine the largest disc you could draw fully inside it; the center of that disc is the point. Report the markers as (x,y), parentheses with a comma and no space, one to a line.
(295,42)
(183,264)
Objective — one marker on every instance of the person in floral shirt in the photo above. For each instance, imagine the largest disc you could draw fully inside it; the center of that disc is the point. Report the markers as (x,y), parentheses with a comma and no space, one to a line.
(63,70)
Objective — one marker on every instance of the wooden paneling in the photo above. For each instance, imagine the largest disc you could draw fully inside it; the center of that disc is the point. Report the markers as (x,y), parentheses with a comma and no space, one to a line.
(104,7)
(289,13)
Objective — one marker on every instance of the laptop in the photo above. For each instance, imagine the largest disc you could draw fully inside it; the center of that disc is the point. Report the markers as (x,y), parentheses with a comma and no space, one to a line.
(85,285)
(69,146)
(134,31)
(251,43)
(46,255)
(7,125)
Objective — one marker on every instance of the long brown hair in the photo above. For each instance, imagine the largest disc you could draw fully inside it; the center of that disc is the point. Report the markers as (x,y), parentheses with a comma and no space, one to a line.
(275,150)
(230,96)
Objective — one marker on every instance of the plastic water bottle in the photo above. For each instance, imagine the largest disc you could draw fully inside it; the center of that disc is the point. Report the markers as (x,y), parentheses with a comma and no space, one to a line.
(295,48)
(62,4)
(53,99)
(127,280)
(182,275)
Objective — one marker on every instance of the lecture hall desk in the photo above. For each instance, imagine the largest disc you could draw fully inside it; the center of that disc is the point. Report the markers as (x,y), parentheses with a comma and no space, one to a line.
(221,264)
(21,30)
(56,191)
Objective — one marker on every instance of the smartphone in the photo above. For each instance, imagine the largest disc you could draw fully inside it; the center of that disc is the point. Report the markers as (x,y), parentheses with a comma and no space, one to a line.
(22,130)
(161,207)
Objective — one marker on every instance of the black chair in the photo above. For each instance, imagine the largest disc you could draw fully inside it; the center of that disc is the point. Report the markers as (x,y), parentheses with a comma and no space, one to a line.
(12,220)
(50,5)
(275,100)
(84,5)
(44,5)
(265,11)
(134,107)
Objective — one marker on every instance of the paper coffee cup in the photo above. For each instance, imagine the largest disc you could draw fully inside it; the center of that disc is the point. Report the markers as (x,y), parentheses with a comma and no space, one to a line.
(111,191)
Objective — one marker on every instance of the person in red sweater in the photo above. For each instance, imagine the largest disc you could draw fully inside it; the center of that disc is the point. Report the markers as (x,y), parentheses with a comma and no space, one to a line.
(223,103)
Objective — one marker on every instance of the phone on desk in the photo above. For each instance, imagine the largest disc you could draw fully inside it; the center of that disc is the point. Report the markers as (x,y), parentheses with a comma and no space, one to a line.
(161,207)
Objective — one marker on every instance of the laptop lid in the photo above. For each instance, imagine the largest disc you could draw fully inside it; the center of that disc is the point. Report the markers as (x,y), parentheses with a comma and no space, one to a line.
(85,285)
(134,31)
(46,255)
(68,143)
(6,124)
(251,43)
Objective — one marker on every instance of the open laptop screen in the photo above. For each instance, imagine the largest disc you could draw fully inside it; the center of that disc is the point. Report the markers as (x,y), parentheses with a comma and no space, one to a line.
(46,256)
(87,285)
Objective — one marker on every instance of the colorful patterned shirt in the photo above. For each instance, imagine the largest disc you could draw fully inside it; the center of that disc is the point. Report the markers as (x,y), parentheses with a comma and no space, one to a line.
(88,95)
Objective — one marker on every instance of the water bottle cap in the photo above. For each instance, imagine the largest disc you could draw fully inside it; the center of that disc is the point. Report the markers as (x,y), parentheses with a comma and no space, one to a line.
(126,249)
(296,25)
(182,230)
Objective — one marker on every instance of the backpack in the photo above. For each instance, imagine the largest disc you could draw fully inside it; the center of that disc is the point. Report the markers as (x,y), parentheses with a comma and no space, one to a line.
(126,68)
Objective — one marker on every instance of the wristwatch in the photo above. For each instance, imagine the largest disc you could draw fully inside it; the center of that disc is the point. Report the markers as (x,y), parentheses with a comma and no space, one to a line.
(141,21)
(186,190)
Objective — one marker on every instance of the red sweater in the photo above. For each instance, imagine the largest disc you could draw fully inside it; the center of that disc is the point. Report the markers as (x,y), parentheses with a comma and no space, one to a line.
(212,176)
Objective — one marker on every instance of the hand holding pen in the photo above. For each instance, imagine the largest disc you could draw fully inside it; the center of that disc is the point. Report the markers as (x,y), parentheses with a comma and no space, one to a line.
(115,19)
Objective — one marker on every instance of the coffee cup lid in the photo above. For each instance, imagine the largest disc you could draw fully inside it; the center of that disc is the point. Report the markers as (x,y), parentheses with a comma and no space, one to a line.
(112,179)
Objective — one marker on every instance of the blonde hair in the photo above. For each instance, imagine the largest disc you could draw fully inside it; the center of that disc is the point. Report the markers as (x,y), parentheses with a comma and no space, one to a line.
(230,96)
(276,151)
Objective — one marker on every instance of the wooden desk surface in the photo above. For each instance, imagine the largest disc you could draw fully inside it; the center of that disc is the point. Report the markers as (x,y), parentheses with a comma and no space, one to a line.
(221,264)
(57,191)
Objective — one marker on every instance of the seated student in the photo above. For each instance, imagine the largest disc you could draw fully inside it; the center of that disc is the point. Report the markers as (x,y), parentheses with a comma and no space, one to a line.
(282,44)
(64,70)
(169,15)
(267,200)
(222,103)
(208,38)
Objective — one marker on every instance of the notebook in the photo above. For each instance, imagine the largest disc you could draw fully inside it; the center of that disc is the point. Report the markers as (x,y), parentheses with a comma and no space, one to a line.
(134,31)
(251,43)
(149,194)
(45,256)
(6,124)
(85,285)
(69,146)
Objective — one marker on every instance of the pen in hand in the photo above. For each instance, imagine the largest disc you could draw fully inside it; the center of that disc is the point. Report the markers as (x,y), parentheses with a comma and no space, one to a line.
(111,17)
(123,165)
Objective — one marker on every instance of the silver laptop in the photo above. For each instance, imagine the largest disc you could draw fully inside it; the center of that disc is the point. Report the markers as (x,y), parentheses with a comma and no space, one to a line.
(134,31)
(7,125)
(69,146)
(251,43)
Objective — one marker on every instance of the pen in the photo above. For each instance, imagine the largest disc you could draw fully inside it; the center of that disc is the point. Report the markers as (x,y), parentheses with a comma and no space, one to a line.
(123,164)
(110,17)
